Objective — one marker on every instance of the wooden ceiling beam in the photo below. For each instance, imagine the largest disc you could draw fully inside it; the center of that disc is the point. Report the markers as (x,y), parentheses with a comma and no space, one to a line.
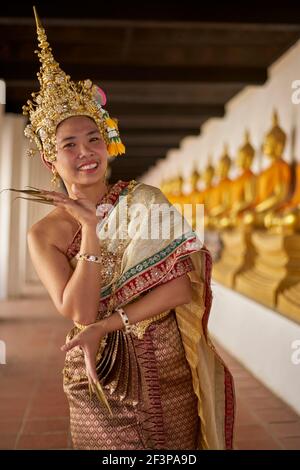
(146,92)
(10,69)
(139,139)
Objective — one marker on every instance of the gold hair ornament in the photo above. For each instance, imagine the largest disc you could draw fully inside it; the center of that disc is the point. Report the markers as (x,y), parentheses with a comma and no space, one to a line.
(60,98)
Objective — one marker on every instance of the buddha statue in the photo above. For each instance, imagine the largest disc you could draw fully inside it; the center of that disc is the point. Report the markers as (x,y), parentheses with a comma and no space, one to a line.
(275,266)
(272,184)
(166,187)
(194,180)
(176,194)
(242,189)
(194,197)
(219,200)
(286,217)
(208,198)
(207,177)
(237,252)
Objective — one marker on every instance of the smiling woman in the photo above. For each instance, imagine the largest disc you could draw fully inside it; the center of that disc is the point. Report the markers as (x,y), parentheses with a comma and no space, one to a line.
(140,371)
(81,153)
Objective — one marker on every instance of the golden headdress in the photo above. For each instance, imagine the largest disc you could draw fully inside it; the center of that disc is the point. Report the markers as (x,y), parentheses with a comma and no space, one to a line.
(59,98)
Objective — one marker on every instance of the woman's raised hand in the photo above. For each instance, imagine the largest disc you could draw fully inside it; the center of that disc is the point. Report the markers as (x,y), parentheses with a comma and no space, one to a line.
(81,208)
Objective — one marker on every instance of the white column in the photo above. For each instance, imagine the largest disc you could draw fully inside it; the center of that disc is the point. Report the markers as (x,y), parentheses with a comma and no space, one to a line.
(34,174)
(11,144)
(17,275)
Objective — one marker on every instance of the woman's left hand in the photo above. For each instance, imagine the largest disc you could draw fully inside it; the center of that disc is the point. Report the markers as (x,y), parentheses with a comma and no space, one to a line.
(89,341)
(81,208)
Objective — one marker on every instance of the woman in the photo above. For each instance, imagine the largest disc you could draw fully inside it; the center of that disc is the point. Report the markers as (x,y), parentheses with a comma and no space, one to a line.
(140,370)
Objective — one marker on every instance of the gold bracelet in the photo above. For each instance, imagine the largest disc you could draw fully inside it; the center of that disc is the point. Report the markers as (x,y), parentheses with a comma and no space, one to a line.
(86,257)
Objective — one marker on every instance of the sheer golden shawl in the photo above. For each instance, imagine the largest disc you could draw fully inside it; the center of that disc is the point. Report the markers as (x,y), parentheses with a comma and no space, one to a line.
(148,262)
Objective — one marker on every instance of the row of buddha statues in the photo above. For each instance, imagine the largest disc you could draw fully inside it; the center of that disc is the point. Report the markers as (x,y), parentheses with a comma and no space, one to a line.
(256,217)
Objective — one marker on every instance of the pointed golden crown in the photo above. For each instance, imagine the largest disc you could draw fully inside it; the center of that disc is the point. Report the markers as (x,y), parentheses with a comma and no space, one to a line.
(60,98)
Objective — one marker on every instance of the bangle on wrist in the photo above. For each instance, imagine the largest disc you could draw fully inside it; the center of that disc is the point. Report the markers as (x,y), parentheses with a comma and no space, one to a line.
(125,319)
(87,257)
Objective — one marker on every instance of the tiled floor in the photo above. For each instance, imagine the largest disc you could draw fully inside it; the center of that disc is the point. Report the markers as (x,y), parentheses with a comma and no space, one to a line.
(34,411)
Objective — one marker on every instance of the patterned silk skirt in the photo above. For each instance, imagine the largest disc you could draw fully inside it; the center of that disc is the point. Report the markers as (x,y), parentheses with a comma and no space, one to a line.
(155,408)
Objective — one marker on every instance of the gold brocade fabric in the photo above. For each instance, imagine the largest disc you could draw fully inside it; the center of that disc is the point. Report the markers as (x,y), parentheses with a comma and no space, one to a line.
(161,411)
(167,388)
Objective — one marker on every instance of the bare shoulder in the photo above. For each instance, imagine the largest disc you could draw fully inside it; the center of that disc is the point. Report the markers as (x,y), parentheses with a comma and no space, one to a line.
(54,229)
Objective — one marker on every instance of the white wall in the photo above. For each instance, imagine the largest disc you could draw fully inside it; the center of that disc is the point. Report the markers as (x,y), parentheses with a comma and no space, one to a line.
(260,338)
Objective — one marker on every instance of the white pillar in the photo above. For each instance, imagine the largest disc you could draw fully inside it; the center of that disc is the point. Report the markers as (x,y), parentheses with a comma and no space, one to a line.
(17,275)
(10,152)
(35,174)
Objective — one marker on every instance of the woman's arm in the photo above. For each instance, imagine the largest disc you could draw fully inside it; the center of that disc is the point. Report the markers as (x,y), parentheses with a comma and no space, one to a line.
(75,294)
(162,298)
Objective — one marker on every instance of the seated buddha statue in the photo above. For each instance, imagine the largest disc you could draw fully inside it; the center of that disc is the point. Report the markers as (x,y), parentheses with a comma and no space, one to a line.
(272,184)
(194,195)
(242,189)
(207,178)
(165,187)
(176,195)
(219,200)
(193,183)
(286,217)
(194,180)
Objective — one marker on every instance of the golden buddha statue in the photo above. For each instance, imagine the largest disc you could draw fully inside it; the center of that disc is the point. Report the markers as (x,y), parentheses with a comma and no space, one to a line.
(219,197)
(176,195)
(237,252)
(194,195)
(166,187)
(208,197)
(273,183)
(194,180)
(284,225)
(204,195)
(276,261)
(207,177)
(286,217)
(242,189)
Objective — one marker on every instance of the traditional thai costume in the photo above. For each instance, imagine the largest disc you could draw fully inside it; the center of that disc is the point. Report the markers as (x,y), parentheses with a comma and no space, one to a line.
(164,383)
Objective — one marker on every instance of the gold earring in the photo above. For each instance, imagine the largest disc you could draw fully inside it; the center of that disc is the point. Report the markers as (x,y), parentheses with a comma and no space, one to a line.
(55,178)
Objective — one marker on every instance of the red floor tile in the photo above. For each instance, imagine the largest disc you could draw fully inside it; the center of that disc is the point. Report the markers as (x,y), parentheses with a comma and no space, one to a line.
(7,441)
(255,444)
(44,441)
(290,443)
(277,415)
(35,426)
(10,426)
(285,429)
